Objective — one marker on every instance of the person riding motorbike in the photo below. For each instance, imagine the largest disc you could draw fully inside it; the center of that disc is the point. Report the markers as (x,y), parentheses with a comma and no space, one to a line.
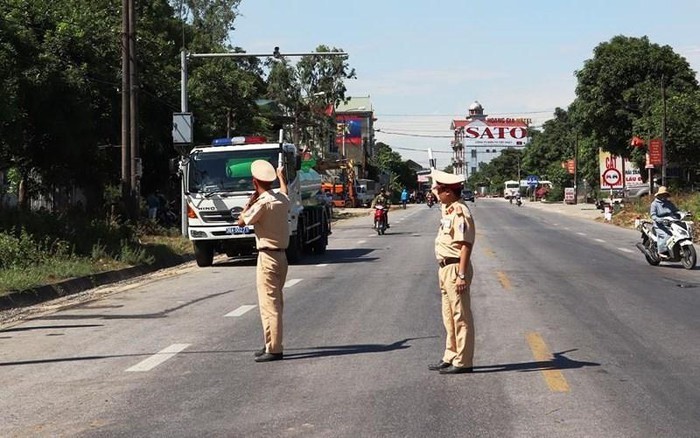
(518,199)
(430,199)
(383,200)
(661,210)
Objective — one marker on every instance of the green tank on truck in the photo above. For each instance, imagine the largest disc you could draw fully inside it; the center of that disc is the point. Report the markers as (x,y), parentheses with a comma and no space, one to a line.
(218,183)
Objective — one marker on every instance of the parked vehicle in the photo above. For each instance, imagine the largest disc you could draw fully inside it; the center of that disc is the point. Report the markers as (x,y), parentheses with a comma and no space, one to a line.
(218,183)
(468,195)
(379,219)
(680,243)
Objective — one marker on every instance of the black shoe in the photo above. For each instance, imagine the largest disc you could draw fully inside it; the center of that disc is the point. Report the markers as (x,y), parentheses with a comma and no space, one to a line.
(457,370)
(438,366)
(269,357)
(260,352)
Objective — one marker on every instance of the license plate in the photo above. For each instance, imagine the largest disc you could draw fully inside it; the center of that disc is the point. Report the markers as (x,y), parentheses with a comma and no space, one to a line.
(237,230)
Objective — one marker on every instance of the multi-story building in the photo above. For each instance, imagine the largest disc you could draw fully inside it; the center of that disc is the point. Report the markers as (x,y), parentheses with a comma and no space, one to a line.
(479,139)
(355,134)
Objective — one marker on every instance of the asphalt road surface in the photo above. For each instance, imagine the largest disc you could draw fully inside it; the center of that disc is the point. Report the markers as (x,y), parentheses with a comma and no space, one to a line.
(576,336)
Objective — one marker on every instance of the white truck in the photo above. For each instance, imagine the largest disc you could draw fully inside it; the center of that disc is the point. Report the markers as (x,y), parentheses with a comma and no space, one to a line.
(218,183)
(511,188)
(366,190)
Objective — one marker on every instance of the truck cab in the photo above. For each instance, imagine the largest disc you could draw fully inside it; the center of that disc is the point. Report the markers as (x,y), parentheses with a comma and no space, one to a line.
(218,183)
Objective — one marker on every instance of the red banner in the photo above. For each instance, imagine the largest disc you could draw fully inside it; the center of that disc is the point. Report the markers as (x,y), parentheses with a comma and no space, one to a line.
(656,156)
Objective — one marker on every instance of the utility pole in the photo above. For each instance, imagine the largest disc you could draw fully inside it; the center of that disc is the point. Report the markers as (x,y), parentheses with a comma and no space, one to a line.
(126,86)
(664,160)
(576,170)
(133,115)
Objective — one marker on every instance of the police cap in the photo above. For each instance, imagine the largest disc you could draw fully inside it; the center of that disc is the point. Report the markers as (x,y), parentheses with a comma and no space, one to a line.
(263,171)
(446,179)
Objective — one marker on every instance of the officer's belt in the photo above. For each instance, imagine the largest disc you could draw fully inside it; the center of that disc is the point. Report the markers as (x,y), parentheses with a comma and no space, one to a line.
(271,249)
(448,261)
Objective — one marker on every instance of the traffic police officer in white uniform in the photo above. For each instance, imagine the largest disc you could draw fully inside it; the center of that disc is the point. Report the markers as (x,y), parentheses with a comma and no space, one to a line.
(267,211)
(453,250)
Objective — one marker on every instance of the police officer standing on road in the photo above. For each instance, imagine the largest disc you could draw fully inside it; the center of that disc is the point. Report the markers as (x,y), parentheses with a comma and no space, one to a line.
(453,249)
(268,210)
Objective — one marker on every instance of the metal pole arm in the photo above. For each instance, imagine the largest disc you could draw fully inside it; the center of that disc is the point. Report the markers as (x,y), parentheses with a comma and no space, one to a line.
(262,55)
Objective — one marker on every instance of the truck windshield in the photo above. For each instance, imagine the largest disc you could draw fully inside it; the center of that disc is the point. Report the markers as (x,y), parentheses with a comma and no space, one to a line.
(226,171)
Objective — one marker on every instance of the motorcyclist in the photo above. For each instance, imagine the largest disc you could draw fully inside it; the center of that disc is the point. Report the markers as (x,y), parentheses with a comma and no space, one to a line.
(661,210)
(518,199)
(383,200)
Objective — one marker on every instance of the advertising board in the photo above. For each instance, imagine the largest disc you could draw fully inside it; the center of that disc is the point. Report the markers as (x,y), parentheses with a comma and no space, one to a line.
(611,170)
(495,132)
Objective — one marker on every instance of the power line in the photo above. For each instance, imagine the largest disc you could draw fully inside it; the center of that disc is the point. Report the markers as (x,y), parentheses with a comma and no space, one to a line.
(502,114)
(414,135)
(419,150)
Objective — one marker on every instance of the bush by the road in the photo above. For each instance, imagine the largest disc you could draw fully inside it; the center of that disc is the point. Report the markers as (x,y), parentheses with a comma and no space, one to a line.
(38,248)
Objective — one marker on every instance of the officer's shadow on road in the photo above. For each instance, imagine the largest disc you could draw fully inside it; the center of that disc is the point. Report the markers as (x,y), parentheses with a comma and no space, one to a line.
(333,256)
(558,362)
(343,350)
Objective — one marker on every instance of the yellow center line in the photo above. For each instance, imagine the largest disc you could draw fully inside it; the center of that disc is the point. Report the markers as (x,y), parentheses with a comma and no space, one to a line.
(554,378)
(503,278)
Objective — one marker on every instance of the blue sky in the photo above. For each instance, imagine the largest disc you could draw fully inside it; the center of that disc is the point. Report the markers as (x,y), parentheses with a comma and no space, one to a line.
(424,62)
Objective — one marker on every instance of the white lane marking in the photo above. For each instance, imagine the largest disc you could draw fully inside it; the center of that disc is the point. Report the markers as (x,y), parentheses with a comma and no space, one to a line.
(361,241)
(626,250)
(292,282)
(599,240)
(322,265)
(581,234)
(158,358)
(371,235)
(241,310)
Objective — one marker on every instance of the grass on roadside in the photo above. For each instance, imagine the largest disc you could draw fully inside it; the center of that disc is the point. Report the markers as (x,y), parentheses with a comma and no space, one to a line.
(35,254)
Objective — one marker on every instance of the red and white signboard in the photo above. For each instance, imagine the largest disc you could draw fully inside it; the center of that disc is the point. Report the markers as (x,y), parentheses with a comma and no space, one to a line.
(611,170)
(496,132)
(656,156)
(633,177)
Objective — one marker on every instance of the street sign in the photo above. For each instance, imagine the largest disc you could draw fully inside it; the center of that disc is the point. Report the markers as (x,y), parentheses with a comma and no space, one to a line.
(533,180)
(656,155)
(612,177)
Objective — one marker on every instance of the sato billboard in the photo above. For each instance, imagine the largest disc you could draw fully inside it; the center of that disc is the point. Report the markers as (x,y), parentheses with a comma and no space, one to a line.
(496,132)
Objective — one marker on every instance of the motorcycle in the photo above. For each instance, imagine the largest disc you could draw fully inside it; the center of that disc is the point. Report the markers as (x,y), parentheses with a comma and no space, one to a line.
(518,201)
(430,202)
(379,219)
(680,243)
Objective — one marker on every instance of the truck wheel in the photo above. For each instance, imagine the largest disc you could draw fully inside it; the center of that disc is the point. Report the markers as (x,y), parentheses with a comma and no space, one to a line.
(203,253)
(320,244)
(294,250)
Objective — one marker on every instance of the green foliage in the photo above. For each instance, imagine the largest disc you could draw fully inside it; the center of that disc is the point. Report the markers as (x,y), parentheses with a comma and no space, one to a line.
(388,161)
(555,144)
(131,254)
(622,83)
